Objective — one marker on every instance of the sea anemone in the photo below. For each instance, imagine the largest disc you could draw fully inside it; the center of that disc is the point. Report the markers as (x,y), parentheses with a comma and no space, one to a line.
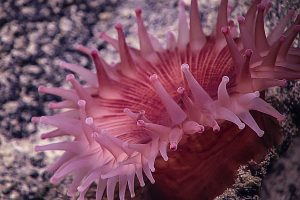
(128,114)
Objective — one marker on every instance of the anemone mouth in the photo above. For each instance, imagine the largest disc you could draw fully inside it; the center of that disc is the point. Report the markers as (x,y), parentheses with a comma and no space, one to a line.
(129,114)
(137,94)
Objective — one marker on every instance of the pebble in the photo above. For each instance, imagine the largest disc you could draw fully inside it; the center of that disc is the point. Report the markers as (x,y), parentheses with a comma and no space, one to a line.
(65,24)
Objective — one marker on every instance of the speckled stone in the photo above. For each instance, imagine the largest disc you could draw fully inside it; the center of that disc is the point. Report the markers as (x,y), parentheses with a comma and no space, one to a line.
(34,35)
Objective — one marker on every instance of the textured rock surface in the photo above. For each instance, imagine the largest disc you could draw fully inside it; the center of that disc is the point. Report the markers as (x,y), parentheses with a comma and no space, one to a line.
(35,34)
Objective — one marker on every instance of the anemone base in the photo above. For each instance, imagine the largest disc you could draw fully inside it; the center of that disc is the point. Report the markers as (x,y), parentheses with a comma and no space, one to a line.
(204,167)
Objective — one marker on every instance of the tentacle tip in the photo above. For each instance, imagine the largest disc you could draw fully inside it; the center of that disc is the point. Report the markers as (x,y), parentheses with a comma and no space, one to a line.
(126,110)
(169,34)
(153,77)
(61,63)
(180,90)
(102,35)
(51,105)
(216,128)
(225,79)
(201,129)
(70,77)
(248,52)
(138,11)
(89,120)
(76,46)
(43,136)
(260,133)
(81,103)
(132,195)
(256,93)
(35,119)
(181,3)
(140,123)
(37,148)
(225,29)
(281,118)
(119,26)
(231,23)
(291,13)
(41,89)
(125,144)
(71,194)
(282,38)
(267,4)
(241,126)
(261,7)
(94,135)
(185,67)
(104,176)
(142,112)
(80,189)
(42,119)
(173,146)
(94,52)
(283,83)
(241,19)
(53,180)
(142,184)
(104,132)
(297,28)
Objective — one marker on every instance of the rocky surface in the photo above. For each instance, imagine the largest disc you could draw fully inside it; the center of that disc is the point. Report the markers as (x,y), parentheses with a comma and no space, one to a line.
(283,181)
(35,34)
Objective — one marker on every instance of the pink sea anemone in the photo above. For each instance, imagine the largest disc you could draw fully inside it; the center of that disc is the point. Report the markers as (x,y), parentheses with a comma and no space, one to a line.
(127,115)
